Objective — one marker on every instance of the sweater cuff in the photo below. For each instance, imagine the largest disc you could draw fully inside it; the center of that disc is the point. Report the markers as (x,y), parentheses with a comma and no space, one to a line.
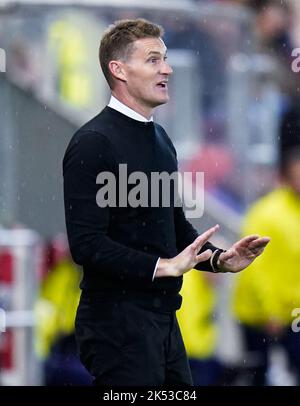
(145,265)
(214,260)
(206,265)
(155,269)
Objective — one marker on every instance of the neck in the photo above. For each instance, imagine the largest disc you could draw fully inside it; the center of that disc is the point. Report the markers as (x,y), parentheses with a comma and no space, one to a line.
(132,103)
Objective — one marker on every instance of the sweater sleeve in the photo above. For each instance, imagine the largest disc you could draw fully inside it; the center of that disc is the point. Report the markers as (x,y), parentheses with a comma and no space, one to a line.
(87,224)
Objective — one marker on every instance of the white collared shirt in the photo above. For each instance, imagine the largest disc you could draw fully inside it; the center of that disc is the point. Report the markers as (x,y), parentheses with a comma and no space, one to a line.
(127,111)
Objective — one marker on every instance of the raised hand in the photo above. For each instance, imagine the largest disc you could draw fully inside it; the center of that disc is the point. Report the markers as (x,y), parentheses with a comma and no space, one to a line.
(242,253)
(188,258)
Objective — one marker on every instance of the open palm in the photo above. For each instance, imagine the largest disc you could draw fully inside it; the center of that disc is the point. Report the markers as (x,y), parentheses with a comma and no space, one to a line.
(242,253)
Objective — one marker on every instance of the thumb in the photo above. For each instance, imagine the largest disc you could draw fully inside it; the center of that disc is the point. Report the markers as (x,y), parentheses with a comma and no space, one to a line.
(227,255)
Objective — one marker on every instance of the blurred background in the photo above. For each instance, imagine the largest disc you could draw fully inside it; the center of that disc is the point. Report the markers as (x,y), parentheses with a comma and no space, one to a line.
(234,114)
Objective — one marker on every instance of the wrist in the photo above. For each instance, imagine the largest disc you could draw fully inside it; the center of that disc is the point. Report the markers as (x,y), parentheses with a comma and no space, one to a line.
(215,261)
(166,267)
(221,268)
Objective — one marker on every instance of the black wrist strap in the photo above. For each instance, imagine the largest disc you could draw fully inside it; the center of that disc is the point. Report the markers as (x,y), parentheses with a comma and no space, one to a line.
(214,262)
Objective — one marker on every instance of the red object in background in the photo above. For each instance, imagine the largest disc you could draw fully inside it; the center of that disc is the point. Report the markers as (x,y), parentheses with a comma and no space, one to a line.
(6,350)
(6,267)
(54,251)
(215,161)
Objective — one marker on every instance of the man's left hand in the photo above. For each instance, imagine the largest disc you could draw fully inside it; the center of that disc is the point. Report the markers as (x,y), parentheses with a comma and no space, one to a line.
(242,253)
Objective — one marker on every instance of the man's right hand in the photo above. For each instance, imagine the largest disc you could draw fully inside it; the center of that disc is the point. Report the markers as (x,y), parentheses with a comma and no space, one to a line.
(186,259)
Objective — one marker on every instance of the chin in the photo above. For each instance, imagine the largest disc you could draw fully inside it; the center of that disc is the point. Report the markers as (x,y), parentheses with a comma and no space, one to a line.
(154,102)
(162,100)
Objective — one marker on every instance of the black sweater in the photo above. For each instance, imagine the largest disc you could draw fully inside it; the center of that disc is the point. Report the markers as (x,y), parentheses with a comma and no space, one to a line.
(118,247)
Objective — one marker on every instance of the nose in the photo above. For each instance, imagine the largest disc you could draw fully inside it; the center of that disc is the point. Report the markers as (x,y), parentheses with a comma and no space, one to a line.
(166,69)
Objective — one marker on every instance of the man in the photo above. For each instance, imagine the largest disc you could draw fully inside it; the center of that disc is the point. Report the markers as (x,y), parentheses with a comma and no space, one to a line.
(134,257)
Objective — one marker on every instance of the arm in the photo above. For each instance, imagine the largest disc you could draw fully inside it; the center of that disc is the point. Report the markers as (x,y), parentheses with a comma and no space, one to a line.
(87,223)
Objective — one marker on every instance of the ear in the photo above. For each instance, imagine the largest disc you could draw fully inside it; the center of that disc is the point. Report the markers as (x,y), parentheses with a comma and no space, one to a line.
(117,70)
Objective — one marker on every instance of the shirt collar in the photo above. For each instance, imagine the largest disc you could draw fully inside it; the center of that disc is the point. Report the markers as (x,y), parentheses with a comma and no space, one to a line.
(127,111)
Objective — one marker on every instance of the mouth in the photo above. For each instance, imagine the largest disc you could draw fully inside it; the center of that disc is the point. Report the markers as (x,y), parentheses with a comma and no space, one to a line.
(163,84)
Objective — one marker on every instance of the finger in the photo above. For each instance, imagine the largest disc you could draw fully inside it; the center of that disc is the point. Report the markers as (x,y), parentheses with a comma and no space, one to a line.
(203,238)
(204,256)
(246,240)
(259,243)
(257,251)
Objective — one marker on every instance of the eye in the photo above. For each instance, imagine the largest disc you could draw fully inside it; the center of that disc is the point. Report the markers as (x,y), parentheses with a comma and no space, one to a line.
(153,60)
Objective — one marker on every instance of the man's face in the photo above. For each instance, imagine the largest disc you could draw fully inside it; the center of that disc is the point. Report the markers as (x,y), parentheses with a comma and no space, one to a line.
(147,73)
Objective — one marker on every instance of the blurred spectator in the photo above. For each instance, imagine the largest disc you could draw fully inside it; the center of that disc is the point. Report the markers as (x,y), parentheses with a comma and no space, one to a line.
(273,29)
(267,293)
(70,63)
